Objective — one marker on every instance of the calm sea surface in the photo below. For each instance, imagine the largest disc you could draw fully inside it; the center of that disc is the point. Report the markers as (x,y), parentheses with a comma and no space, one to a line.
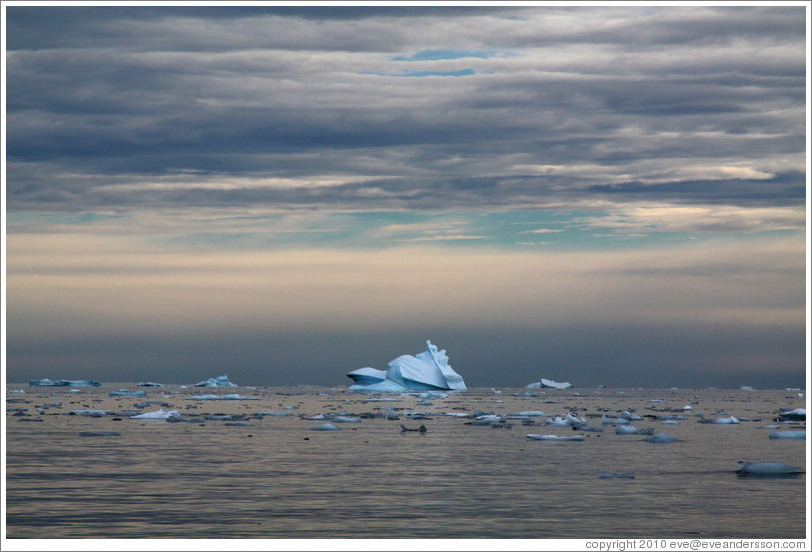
(279,479)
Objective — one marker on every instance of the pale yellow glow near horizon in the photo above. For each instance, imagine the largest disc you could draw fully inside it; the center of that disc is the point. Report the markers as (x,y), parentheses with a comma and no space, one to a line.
(80,285)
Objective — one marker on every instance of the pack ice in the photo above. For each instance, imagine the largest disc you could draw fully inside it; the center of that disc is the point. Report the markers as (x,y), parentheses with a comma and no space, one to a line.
(428,370)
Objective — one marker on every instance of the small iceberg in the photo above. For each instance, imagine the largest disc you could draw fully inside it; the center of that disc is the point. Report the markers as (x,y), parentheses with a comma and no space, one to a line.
(324,427)
(219,381)
(538,437)
(801,434)
(90,413)
(159,414)
(766,468)
(149,384)
(229,397)
(550,384)
(63,383)
(127,393)
(796,415)
(660,438)
(426,371)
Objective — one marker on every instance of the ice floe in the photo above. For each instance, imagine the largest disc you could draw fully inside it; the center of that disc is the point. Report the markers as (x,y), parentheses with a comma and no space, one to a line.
(550,384)
(324,427)
(160,414)
(766,468)
(90,413)
(229,397)
(425,371)
(219,381)
(63,383)
(127,393)
(796,415)
(801,434)
(660,438)
(538,437)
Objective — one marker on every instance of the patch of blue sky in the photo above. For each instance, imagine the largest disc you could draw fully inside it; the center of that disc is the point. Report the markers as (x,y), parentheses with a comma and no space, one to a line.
(457,73)
(445,54)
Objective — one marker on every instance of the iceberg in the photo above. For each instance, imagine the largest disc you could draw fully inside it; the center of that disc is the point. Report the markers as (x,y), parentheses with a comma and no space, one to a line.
(229,397)
(324,427)
(426,371)
(545,383)
(127,393)
(788,434)
(89,413)
(796,415)
(538,437)
(219,381)
(149,384)
(159,414)
(63,383)
(766,468)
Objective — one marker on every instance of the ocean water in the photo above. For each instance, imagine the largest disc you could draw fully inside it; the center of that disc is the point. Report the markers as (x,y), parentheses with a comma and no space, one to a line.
(278,479)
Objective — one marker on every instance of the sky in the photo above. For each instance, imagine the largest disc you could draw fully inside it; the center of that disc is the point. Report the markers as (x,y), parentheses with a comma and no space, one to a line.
(605,195)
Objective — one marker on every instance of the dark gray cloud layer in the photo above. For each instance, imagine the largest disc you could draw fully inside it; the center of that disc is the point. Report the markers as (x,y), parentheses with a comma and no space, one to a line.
(100,97)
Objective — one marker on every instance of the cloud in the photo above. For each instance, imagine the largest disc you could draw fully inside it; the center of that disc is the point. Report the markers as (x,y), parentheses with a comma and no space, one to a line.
(133,97)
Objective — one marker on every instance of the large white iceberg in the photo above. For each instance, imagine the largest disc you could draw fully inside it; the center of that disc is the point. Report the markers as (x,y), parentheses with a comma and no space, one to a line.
(428,370)
(219,381)
(545,383)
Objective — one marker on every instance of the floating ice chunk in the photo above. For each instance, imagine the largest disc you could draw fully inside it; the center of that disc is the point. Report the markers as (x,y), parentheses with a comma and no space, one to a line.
(432,395)
(324,427)
(538,437)
(274,413)
(219,381)
(127,393)
(90,413)
(346,419)
(149,384)
(388,413)
(669,422)
(457,414)
(788,434)
(746,388)
(660,438)
(626,429)
(626,415)
(766,468)
(15,391)
(687,407)
(615,475)
(160,414)
(545,383)
(796,415)
(229,397)
(770,426)
(63,383)
(239,424)
(726,420)
(428,371)
(99,434)
(613,421)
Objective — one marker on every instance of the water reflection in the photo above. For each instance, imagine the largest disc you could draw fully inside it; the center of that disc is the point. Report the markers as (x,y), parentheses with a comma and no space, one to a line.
(278,479)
